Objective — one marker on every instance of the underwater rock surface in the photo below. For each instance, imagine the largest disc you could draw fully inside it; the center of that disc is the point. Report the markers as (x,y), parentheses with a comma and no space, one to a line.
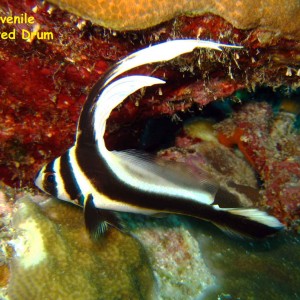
(50,246)
(271,144)
(251,270)
(43,85)
(44,82)
(175,258)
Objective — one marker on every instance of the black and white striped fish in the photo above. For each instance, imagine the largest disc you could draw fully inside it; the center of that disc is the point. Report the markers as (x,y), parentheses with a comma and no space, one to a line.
(106,182)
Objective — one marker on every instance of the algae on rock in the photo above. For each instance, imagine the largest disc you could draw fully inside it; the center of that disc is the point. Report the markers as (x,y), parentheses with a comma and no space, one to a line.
(177,261)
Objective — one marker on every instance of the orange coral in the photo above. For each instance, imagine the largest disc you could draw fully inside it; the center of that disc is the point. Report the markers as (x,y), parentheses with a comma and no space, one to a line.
(280,16)
(235,139)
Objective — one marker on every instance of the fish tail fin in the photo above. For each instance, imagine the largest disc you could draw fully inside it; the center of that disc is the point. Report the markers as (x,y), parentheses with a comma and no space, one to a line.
(240,222)
(249,222)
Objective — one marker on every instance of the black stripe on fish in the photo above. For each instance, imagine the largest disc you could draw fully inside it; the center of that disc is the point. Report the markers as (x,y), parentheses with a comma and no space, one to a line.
(85,130)
(49,183)
(249,222)
(246,222)
(226,199)
(120,186)
(68,177)
(106,182)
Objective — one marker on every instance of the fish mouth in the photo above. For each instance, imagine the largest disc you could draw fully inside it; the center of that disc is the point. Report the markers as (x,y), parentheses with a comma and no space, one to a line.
(38,179)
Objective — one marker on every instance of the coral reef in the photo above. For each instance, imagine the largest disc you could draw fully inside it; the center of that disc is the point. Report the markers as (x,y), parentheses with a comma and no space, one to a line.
(240,268)
(43,83)
(271,144)
(175,257)
(6,235)
(198,148)
(281,17)
(268,149)
(252,150)
(182,254)
(52,247)
(47,240)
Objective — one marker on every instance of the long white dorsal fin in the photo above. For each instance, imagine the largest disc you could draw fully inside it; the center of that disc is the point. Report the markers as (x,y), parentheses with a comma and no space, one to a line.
(161,53)
(112,96)
(98,98)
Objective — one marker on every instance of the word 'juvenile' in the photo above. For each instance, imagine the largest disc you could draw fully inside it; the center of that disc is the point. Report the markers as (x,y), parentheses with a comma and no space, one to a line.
(29,34)
(21,19)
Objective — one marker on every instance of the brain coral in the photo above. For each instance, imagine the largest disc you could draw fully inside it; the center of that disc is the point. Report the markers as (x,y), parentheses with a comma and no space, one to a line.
(280,16)
(55,259)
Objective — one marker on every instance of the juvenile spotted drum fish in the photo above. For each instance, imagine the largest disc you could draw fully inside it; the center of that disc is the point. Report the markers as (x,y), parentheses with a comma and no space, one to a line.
(108,182)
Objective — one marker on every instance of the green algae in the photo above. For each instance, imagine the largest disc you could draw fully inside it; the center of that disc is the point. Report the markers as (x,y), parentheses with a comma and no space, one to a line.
(55,259)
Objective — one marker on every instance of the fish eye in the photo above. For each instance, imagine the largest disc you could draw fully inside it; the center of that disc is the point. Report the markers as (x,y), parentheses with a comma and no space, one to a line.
(50,178)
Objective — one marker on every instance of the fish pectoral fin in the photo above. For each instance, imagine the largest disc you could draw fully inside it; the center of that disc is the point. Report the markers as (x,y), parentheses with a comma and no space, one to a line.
(97,220)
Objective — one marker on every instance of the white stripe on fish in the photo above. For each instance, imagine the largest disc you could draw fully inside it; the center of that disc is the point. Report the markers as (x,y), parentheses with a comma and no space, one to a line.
(128,181)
